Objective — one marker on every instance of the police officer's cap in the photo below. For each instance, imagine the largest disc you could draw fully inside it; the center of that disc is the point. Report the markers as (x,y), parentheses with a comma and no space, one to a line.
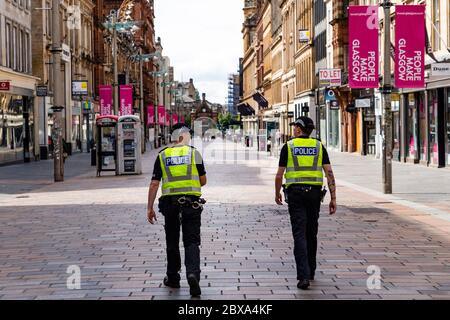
(303,122)
(181,127)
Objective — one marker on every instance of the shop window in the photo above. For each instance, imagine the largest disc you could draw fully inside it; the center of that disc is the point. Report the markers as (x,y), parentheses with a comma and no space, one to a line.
(433,139)
(8,44)
(411,142)
(423,131)
(436,12)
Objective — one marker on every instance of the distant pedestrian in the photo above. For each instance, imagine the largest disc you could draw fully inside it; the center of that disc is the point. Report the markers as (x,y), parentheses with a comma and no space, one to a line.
(303,160)
(181,169)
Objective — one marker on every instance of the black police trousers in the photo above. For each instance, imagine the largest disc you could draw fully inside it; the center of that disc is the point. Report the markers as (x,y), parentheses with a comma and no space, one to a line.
(178,216)
(304,207)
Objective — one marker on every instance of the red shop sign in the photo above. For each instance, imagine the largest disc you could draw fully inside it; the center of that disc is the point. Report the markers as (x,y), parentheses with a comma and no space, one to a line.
(4,85)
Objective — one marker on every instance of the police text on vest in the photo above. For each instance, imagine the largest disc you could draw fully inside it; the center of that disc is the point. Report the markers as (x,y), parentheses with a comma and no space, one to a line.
(176,161)
(305,151)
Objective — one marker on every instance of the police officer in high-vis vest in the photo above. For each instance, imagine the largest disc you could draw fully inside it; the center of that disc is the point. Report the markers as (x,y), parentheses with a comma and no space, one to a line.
(303,160)
(182,172)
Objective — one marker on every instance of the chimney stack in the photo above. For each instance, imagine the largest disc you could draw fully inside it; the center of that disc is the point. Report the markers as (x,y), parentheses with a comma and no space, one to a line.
(204,97)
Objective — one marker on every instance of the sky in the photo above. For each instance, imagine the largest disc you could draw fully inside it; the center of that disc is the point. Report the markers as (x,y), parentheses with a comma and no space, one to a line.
(203,40)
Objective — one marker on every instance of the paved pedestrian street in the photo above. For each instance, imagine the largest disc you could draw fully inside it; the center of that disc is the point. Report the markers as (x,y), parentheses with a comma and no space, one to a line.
(99,225)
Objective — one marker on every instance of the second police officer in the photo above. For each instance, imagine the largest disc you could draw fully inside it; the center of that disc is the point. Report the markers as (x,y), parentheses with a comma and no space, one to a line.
(303,161)
(182,172)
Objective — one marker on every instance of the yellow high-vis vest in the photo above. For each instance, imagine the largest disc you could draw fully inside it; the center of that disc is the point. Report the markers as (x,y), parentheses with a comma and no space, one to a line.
(304,164)
(179,172)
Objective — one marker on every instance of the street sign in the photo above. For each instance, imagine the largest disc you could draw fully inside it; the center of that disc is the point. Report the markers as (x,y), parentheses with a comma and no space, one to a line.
(362,103)
(330,95)
(290,114)
(304,36)
(330,77)
(41,91)
(79,87)
(440,69)
(5,85)
(65,52)
(334,105)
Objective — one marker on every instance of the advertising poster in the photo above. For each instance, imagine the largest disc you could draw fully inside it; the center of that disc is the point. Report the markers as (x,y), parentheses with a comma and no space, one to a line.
(126,100)
(106,102)
(410,46)
(363,47)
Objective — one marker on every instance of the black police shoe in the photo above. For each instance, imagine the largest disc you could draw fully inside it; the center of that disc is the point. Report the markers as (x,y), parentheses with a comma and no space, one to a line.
(303,284)
(195,290)
(171,283)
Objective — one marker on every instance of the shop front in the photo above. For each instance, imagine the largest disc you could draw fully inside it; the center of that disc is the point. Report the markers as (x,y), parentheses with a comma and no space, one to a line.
(365,114)
(426,115)
(272,125)
(333,125)
(76,127)
(16,128)
(438,102)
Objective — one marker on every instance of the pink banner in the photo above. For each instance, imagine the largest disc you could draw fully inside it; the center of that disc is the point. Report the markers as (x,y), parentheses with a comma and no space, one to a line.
(126,100)
(161,115)
(106,101)
(410,46)
(363,47)
(150,115)
(182,119)
(174,119)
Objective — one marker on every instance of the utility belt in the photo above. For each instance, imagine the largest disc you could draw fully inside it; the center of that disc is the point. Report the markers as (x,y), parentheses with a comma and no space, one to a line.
(185,201)
(304,188)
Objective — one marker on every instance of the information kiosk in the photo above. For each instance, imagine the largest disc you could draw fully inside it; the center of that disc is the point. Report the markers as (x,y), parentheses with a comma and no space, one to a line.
(106,135)
(129,146)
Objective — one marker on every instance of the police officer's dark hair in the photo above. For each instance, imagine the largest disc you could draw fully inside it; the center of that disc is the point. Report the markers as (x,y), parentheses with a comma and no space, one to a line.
(307,131)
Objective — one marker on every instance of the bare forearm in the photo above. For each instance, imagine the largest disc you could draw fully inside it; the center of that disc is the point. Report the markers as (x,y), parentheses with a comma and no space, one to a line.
(279,179)
(331,181)
(278,184)
(152,192)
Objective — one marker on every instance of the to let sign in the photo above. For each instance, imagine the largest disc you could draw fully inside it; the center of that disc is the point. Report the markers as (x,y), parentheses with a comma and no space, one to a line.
(4,85)
(330,77)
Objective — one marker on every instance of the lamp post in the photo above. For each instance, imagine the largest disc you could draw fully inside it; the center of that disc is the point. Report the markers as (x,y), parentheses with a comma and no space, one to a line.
(58,98)
(117,26)
(155,75)
(386,90)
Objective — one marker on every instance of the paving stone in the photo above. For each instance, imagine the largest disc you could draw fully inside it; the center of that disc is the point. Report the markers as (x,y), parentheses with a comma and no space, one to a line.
(247,244)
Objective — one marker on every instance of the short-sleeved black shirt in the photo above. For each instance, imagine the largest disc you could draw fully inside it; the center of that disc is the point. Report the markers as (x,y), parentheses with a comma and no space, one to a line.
(284,156)
(157,171)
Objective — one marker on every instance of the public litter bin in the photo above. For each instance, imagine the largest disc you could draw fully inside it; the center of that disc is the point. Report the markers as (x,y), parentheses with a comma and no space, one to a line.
(93,157)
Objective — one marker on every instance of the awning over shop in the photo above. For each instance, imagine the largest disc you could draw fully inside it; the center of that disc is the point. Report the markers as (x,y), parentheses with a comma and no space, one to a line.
(262,102)
(245,109)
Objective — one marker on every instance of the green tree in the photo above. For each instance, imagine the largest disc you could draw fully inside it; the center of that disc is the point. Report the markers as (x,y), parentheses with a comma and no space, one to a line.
(224,121)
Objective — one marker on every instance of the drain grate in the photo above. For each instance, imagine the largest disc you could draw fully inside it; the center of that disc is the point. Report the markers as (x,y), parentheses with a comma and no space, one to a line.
(366,210)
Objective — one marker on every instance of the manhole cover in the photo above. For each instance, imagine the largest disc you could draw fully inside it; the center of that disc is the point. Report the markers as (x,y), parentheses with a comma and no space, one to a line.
(367,210)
